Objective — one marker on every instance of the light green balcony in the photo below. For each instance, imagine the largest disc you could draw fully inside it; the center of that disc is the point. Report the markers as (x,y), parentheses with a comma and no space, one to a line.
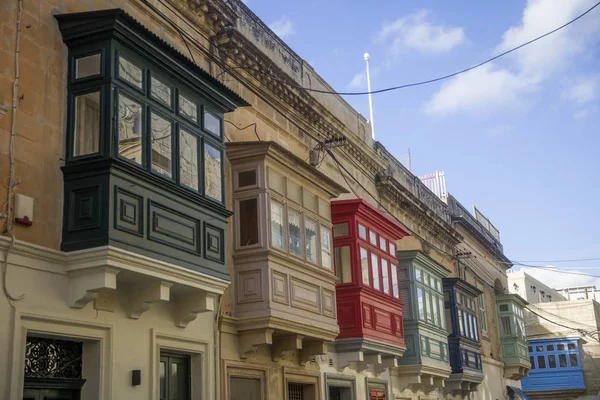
(512,335)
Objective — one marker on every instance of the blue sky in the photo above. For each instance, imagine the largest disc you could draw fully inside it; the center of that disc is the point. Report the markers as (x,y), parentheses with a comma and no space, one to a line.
(519,138)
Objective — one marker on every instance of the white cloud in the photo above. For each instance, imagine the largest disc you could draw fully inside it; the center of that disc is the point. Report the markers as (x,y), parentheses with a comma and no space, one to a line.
(494,88)
(477,90)
(559,280)
(417,31)
(584,90)
(283,27)
(359,80)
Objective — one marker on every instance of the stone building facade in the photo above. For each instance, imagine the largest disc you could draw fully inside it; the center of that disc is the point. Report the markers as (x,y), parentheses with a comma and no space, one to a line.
(172,241)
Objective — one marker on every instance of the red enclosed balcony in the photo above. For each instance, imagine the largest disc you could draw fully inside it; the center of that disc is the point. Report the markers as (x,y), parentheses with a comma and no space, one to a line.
(369,308)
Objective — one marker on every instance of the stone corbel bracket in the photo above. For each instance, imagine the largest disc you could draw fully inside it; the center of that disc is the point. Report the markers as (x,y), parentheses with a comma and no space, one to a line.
(285,345)
(147,295)
(85,284)
(188,307)
(250,341)
(312,349)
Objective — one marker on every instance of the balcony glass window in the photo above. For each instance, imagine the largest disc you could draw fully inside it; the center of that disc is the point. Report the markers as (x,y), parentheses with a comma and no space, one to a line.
(87,66)
(364,265)
(130,72)
(325,247)
(392,248)
(212,172)
(295,239)
(343,264)
(248,217)
(212,123)
(162,144)
(373,238)
(188,159)
(385,276)
(161,92)
(383,244)
(277,225)
(375,271)
(340,230)
(310,232)
(86,130)
(395,288)
(433,298)
(555,355)
(188,108)
(362,232)
(131,123)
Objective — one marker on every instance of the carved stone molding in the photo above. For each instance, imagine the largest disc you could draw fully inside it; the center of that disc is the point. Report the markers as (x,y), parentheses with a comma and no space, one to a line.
(285,345)
(436,230)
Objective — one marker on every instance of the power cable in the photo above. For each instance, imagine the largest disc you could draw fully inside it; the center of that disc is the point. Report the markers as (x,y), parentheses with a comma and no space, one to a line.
(245,127)
(441,78)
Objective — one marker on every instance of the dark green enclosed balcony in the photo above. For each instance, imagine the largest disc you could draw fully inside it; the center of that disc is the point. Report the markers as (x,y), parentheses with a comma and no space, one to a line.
(512,335)
(144,152)
(426,363)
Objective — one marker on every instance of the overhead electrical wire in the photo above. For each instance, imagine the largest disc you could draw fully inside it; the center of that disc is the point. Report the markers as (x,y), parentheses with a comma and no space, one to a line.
(214,58)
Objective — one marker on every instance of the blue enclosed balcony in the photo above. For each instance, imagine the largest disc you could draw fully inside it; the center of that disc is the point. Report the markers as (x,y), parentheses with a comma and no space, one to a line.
(556,369)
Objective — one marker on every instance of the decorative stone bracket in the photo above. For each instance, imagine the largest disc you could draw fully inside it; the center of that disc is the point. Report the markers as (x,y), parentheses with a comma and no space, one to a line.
(285,345)
(360,360)
(85,284)
(147,295)
(312,349)
(461,387)
(188,307)
(250,341)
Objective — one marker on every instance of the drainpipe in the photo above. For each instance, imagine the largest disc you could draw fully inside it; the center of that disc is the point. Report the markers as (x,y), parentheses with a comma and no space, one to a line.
(217,352)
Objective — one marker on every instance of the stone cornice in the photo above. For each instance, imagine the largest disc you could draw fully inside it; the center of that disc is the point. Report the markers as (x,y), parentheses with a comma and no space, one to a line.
(415,210)
(288,325)
(266,78)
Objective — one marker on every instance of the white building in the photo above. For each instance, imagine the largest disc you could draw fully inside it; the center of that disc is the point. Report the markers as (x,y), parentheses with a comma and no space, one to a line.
(531,289)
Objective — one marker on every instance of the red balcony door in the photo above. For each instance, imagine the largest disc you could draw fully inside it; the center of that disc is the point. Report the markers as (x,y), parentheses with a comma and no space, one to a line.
(376,394)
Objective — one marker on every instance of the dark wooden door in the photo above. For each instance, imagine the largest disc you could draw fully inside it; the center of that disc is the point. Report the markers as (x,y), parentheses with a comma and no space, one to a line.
(174,377)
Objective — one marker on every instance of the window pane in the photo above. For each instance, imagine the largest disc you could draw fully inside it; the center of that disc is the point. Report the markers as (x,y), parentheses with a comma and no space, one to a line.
(560,347)
(385,276)
(468,332)
(503,307)
(573,360)
(571,346)
(163,386)
(395,288)
(247,178)
(310,232)
(362,232)
(130,129)
(442,318)
(340,230)
(343,264)
(505,326)
(541,362)
(392,248)
(562,360)
(244,389)
(173,384)
(375,271)
(188,159)
(130,72)
(460,323)
(539,348)
(325,247)
(364,265)
(436,314)
(418,274)
(294,232)
(277,225)
(373,238)
(160,91)
(212,124)
(551,361)
(532,362)
(430,315)
(248,220)
(188,108)
(87,66)
(86,126)
(382,244)
(161,145)
(421,301)
(212,172)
